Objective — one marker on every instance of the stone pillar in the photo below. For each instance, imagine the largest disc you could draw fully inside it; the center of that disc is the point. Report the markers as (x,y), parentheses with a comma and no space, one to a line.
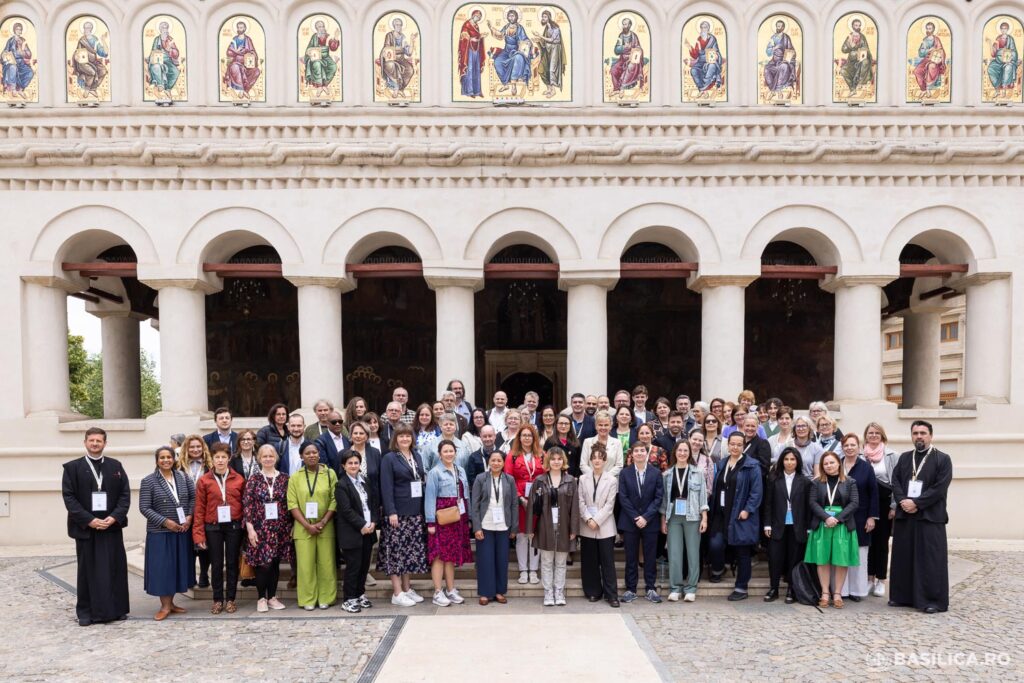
(586,359)
(122,370)
(183,378)
(921,362)
(988,337)
(321,372)
(456,331)
(722,342)
(857,350)
(45,306)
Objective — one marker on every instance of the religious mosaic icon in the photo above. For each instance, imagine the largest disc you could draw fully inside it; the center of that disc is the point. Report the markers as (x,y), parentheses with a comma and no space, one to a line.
(396,59)
(626,63)
(165,78)
(705,60)
(87,49)
(319,45)
(242,47)
(855,59)
(1001,80)
(21,44)
(929,61)
(780,65)
(511,53)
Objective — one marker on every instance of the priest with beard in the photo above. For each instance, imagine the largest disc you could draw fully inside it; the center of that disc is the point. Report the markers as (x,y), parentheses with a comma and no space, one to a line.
(97,495)
(919,573)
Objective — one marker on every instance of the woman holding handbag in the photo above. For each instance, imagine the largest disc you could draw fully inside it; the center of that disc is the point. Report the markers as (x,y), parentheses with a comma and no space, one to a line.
(446,506)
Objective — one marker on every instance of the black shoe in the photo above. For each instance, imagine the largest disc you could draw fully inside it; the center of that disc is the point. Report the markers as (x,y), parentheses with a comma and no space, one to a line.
(203,582)
(930,610)
(593,598)
(715,578)
(248,583)
(772,595)
(790,599)
(619,544)
(736,596)
(123,617)
(893,603)
(568,561)
(84,622)
(853,598)
(614,602)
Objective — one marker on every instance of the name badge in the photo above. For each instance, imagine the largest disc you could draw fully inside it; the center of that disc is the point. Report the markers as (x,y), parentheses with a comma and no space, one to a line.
(721,499)
(462,507)
(270,511)
(498,515)
(591,512)
(416,489)
(181,514)
(223,513)
(680,506)
(99,501)
(529,485)
(789,517)
(554,515)
(312,510)
(914,489)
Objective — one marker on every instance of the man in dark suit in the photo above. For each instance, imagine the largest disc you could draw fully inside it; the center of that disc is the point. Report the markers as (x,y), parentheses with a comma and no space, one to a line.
(332,442)
(676,432)
(222,418)
(290,460)
(97,495)
(582,422)
(392,418)
(640,413)
(640,495)
(476,463)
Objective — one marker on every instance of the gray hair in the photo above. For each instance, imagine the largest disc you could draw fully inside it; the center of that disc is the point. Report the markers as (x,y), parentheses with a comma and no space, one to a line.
(446,394)
(701,405)
(448,417)
(323,401)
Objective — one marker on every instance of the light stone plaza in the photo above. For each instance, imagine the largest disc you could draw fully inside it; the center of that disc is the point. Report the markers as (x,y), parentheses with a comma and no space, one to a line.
(235,226)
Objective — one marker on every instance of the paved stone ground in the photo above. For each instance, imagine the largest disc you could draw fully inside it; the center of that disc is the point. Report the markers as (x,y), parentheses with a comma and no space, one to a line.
(709,640)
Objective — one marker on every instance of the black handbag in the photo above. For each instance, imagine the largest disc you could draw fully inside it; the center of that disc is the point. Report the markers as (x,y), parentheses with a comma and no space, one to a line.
(805,584)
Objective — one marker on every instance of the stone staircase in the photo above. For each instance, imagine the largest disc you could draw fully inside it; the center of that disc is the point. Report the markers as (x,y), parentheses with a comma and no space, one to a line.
(465,580)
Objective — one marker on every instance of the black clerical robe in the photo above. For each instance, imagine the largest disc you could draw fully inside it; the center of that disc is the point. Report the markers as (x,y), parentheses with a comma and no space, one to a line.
(919,573)
(102,562)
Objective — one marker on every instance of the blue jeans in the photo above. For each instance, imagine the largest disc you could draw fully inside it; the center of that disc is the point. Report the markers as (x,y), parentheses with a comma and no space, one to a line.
(717,551)
(492,564)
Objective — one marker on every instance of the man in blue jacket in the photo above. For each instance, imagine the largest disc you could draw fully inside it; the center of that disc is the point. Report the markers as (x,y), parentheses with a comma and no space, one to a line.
(640,495)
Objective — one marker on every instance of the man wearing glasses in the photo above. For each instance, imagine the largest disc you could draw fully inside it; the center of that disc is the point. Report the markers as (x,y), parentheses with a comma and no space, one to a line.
(332,442)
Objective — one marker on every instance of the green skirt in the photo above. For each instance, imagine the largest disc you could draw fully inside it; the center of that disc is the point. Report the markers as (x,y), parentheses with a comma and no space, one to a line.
(836,546)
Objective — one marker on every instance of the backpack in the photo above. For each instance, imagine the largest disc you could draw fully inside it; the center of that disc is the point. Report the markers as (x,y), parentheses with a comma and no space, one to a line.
(805,584)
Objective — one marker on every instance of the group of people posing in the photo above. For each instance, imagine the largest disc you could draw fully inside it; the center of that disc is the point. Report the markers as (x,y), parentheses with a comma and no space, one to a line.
(699,486)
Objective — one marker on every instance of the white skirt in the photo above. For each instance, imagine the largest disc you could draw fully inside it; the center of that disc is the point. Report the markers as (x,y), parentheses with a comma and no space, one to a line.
(857,577)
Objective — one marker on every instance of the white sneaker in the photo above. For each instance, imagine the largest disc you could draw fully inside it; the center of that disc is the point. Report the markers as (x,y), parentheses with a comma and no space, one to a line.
(534,579)
(440,599)
(690,597)
(308,608)
(274,603)
(416,597)
(673,597)
(261,605)
(560,599)
(453,596)
(402,600)
(370,581)
(549,600)
(323,606)
(523,577)
(879,591)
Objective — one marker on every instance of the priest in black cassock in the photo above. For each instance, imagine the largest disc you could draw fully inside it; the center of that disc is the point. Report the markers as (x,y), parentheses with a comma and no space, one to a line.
(919,574)
(97,496)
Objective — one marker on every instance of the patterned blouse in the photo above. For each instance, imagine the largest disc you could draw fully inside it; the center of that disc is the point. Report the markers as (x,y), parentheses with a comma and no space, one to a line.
(273,536)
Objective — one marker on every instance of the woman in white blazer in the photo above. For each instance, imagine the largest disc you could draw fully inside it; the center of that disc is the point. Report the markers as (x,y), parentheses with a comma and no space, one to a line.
(613,447)
(598,489)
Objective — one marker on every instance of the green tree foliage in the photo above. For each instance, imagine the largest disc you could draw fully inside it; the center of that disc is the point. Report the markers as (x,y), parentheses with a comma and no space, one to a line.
(86,378)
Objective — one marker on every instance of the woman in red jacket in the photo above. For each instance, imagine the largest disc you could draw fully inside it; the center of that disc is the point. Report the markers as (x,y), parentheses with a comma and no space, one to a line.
(218,524)
(525,464)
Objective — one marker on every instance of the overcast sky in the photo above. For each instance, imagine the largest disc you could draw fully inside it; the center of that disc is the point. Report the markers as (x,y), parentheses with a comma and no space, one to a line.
(88,326)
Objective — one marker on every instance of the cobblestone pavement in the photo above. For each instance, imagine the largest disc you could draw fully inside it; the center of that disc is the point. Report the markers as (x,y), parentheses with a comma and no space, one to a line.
(978,639)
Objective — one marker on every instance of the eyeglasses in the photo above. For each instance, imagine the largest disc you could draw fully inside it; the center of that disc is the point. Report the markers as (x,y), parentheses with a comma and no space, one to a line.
(335,422)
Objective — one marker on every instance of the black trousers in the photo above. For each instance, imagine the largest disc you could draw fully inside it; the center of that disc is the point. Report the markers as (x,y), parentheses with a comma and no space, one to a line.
(204,563)
(878,548)
(357,564)
(783,554)
(267,578)
(224,542)
(597,567)
(632,538)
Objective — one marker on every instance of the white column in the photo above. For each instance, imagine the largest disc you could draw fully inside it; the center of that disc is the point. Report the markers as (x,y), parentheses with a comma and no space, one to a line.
(45,322)
(988,337)
(456,334)
(586,358)
(722,312)
(857,349)
(183,383)
(921,364)
(320,365)
(122,373)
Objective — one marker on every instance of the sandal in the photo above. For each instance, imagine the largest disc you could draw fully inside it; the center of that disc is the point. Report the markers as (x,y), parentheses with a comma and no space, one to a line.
(823,602)
(217,608)
(161,615)
(177,610)
(837,601)
(230,607)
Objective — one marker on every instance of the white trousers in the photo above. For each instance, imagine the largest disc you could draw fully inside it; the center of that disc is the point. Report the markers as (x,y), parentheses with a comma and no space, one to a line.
(552,572)
(526,555)
(857,577)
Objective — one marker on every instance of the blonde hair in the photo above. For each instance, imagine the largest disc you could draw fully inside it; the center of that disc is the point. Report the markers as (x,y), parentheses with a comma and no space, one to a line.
(183,459)
(878,428)
(603,415)
(554,452)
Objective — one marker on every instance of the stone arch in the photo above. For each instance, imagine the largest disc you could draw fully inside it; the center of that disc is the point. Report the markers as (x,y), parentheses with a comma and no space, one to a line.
(521,226)
(952,234)
(370,230)
(679,229)
(220,234)
(85,231)
(828,238)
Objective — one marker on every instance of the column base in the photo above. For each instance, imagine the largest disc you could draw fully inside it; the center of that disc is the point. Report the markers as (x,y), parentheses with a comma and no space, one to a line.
(973,402)
(58,415)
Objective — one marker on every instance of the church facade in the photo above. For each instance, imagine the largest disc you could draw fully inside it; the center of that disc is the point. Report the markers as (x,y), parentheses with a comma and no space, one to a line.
(330,198)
